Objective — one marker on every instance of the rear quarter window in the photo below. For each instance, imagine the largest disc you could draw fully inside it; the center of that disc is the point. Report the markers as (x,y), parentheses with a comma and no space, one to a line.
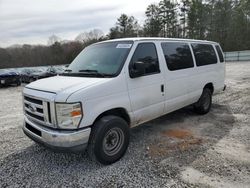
(177,55)
(221,57)
(204,54)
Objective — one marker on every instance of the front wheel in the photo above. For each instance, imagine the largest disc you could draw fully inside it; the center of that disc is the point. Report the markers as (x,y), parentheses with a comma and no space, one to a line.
(109,139)
(204,103)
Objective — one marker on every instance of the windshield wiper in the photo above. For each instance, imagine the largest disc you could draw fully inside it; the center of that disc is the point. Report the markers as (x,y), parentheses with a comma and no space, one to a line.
(88,70)
(94,72)
(67,70)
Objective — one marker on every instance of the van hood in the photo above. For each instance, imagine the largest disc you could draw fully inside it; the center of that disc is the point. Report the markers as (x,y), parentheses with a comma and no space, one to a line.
(58,84)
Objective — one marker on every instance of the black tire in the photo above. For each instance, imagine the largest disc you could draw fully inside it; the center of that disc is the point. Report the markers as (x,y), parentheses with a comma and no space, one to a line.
(203,105)
(99,149)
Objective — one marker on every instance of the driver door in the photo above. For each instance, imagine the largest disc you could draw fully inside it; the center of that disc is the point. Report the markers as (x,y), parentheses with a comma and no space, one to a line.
(146,92)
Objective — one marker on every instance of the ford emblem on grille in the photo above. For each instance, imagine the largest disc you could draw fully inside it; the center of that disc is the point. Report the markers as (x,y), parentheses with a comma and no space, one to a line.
(32,108)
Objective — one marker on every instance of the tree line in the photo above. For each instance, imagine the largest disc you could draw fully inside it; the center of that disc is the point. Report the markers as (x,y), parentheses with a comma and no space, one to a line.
(57,52)
(223,21)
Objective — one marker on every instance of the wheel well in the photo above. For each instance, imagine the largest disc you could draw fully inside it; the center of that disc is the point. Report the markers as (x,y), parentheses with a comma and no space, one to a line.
(120,112)
(209,86)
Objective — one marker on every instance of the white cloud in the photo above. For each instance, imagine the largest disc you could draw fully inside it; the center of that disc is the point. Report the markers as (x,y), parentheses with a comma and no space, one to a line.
(33,21)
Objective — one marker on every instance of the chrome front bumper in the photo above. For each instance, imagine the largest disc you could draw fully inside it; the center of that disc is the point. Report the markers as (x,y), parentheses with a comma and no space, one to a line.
(57,139)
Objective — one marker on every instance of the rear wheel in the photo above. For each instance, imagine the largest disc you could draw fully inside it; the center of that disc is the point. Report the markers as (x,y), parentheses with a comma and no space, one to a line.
(204,103)
(109,139)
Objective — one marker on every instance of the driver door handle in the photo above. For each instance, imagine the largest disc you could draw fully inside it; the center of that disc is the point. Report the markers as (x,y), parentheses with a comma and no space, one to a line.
(162,88)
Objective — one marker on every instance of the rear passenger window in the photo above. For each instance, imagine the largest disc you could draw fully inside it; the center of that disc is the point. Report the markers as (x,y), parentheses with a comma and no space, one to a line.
(146,53)
(204,54)
(177,55)
(219,53)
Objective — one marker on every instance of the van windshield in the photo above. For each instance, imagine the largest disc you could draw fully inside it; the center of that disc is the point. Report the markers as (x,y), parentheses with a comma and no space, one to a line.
(100,60)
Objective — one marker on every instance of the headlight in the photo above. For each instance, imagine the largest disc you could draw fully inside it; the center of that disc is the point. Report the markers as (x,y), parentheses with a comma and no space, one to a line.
(68,115)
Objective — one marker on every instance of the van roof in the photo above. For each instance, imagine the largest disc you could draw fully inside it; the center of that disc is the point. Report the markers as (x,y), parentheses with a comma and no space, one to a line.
(158,39)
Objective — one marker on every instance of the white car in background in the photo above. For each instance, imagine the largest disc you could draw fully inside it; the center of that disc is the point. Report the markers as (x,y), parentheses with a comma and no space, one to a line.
(114,85)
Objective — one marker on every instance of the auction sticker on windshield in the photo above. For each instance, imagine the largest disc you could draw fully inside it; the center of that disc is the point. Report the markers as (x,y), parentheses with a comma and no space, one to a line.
(123,45)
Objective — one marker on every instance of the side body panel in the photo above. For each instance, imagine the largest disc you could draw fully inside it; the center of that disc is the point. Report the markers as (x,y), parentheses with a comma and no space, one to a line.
(221,73)
(145,92)
(203,75)
(176,84)
(101,98)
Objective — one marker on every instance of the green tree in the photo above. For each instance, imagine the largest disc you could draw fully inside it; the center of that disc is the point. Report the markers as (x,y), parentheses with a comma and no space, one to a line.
(197,20)
(168,16)
(126,26)
(184,8)
(222,22)
(239,33)
(152,26)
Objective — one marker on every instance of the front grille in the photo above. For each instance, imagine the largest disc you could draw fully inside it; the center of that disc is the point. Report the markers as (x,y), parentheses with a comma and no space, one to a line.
(38,110)
(35,116)
(33,100)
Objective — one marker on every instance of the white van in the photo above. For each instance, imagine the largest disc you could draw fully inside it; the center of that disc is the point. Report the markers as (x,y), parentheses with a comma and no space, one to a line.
(114,85)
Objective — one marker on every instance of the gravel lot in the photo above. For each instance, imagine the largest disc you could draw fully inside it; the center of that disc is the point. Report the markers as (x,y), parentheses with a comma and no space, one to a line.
(181,149)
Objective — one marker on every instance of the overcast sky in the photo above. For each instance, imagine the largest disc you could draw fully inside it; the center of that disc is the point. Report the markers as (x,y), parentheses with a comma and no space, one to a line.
(33,21)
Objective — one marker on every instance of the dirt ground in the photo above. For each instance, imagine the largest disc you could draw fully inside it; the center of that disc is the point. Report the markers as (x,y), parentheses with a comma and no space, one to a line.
(181,149)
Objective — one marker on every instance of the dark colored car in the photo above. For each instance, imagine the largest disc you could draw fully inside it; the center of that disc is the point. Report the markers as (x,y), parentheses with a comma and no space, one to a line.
(25,75)
(30,75)
(9,78)
(51,71)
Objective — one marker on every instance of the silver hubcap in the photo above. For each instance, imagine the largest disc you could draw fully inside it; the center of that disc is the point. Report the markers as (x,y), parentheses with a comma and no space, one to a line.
(113,141)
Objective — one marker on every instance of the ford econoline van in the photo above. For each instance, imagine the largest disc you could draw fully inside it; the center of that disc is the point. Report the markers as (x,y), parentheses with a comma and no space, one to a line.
(114,85)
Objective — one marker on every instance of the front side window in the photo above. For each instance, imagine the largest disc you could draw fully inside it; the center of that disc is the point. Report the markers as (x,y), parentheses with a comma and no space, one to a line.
(177,55)
(100,60)
(219,53)
(146,53)
(204,54)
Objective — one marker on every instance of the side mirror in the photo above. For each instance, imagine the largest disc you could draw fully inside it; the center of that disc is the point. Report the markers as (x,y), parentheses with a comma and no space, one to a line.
(137,70)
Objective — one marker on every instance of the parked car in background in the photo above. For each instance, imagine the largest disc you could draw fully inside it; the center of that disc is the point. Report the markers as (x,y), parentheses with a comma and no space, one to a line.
(9,78)
(49,72)
(29,75)
(60,70)
(25,75)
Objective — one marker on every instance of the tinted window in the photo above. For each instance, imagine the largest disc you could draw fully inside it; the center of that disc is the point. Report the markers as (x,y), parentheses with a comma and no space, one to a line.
(204,54)
(146,53)
(219,53)
(177,55)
